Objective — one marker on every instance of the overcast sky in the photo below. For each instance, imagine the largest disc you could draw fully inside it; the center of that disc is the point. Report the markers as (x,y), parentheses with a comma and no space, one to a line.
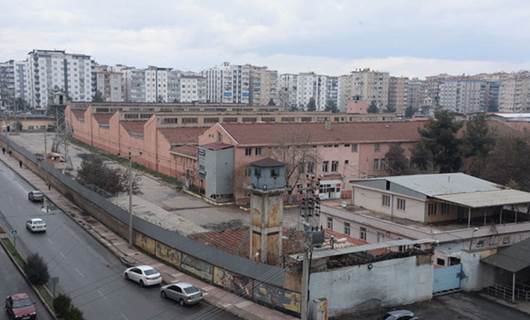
(412,38)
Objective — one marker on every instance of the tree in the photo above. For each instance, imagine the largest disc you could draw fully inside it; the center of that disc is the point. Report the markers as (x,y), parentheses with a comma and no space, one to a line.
(37,270)
(74,314)
(421,158)
(409,112)
(438,137)
(95,173)
(21,105)
(61,305)
(98,97)
(311,105)
(271,103)
(331,106)
(293,108)
(373,107)
(390,108)
(477,143)
(397,162)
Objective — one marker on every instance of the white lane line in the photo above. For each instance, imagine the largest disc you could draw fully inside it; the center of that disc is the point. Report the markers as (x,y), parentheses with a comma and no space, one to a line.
(79,272)
(50,241)
(124,316)
(62,254)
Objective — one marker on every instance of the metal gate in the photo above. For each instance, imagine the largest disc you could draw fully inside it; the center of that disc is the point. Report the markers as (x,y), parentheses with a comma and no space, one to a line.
(447,278)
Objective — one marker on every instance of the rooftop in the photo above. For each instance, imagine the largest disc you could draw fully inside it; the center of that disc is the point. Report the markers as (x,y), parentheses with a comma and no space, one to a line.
(317,133)
(514,258)
(136,126)
(182,135)
(267,162)
(102,118)
(216,146)
(186,150)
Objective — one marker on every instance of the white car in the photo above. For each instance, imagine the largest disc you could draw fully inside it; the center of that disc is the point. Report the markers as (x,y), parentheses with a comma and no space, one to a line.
(144,275)
(182,292)
(36,225)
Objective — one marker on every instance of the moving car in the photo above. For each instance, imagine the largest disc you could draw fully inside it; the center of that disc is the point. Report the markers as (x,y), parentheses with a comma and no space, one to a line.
(35,196)
(36,225)
(20,307)
(182,292)
(400,315)
(144,275)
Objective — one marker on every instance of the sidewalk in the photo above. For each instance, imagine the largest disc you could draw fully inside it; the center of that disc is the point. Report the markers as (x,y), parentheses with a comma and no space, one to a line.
(217,297)
(521,306)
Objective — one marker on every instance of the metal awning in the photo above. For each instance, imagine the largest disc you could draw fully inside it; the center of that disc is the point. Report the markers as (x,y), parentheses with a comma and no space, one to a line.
(486,198)
(513,259)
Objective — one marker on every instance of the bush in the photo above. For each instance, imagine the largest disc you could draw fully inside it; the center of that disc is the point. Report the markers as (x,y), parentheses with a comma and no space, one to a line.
(61,305)
(74,314)
(37,270)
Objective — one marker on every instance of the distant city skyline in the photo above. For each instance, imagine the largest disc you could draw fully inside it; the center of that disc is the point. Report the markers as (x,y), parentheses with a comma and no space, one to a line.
(408,38)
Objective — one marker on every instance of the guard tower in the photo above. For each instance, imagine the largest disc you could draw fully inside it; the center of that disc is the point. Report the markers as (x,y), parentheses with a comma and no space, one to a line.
(266,210)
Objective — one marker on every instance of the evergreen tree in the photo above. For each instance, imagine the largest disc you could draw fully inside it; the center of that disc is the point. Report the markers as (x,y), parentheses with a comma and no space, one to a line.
(373,108)
(311,105)
(397,162)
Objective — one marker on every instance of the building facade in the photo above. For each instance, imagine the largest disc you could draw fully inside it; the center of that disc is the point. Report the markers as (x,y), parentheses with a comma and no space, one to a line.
(53,71)
(344,87)
(398,94)
(228,84)
(287,92)
(109,83)
(464,96)
(311,86)
(263,86)
(156,84)
(371,86)
(514,93)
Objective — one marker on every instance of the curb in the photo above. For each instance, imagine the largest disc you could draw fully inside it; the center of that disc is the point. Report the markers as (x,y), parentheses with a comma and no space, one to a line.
(501,302)
(48,308)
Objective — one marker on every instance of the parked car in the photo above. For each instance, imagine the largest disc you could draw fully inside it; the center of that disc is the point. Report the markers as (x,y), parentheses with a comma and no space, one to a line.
(182,292)
(19,306)
(144,275)
(35,196)
(36,225)
(400,315)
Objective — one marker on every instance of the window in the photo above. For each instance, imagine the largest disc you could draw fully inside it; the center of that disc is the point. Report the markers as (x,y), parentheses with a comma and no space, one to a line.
(257,172)
(386,200)
(248,151)
(377,164)
(301,167)
(347,228)
(440,262)
(310,167)
(362,233)
(444,209)
(380,237)
(377,147)
(346,161)
(431,209)
(248,172)
(258,151)
(330,223)
(275,173)
(334,166)
(325,166)
(401,204)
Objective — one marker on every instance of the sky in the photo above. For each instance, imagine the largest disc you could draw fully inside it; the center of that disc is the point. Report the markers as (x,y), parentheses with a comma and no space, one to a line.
(409,38)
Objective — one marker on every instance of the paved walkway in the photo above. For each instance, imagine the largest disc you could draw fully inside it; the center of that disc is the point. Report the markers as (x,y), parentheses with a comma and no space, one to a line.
(228,301)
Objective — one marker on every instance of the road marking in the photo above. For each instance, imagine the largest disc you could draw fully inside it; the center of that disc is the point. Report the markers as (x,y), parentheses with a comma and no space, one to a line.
(50,241)
(79,272)
(124,316)
(62,254)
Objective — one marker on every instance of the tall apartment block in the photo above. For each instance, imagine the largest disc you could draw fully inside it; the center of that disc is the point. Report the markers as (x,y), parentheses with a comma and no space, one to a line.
(464,96)
(398,94)
(417,97)
(514,93)
(287,92)
(332,91)
(228,83)
(156,84)
(371,86)
(310,85)
(109,83)
(53,70)
(344,86)
(186,87)
(263,86)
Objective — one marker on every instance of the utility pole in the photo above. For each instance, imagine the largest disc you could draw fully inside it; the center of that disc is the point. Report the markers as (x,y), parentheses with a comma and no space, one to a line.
(130,202)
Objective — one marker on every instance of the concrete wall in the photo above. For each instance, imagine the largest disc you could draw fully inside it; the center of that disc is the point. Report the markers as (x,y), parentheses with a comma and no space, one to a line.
(219,168)
(387,283)
(372,200)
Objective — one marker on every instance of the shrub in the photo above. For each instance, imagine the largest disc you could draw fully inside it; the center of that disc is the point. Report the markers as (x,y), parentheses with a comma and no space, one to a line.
(74,314)
(37,270)
(61,305)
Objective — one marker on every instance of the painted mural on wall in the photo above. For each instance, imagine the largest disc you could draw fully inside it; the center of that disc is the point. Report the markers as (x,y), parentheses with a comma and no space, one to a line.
(288,300)
(197,267)
(233,282)
(144,242)
(168,254)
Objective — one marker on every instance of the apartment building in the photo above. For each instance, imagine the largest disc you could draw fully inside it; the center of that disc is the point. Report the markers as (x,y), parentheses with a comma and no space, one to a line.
(371,86)
(228,83)
(190,88)
(514,93)
(332,91)
(135,86)
(464,96)
(310,86)
(344,87)
(109,83)
(287,92)
(53,70)
(417,94)
(263,86)
(398,94)
(7,84)
(156,84)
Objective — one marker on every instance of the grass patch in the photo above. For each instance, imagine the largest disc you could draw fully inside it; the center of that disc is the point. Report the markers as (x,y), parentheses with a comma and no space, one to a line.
(45,293)
(125,162)
(13,251)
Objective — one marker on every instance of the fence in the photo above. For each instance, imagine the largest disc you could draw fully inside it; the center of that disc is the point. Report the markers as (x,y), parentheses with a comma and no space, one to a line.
(505,292)
(256,281)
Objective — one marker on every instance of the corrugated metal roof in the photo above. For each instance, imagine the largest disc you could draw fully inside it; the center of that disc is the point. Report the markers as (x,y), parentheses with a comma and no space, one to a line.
(487,198)
(443,183)
(513,259)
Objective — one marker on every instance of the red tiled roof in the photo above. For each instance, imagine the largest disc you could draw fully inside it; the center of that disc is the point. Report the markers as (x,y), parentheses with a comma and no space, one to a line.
(133,126)
(187,150)
(182,134)
(338,235)
(79,114)
(316,133)
(102,118)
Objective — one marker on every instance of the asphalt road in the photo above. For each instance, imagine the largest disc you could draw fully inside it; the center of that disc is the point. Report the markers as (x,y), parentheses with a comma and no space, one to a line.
(87,272)
(12,282)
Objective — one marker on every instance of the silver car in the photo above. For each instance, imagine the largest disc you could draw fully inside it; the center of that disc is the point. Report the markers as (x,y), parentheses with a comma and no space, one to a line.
(400,315)
(182,292)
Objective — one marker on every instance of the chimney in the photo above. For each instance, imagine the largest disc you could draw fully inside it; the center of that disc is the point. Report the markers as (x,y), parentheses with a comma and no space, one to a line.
(327,124)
